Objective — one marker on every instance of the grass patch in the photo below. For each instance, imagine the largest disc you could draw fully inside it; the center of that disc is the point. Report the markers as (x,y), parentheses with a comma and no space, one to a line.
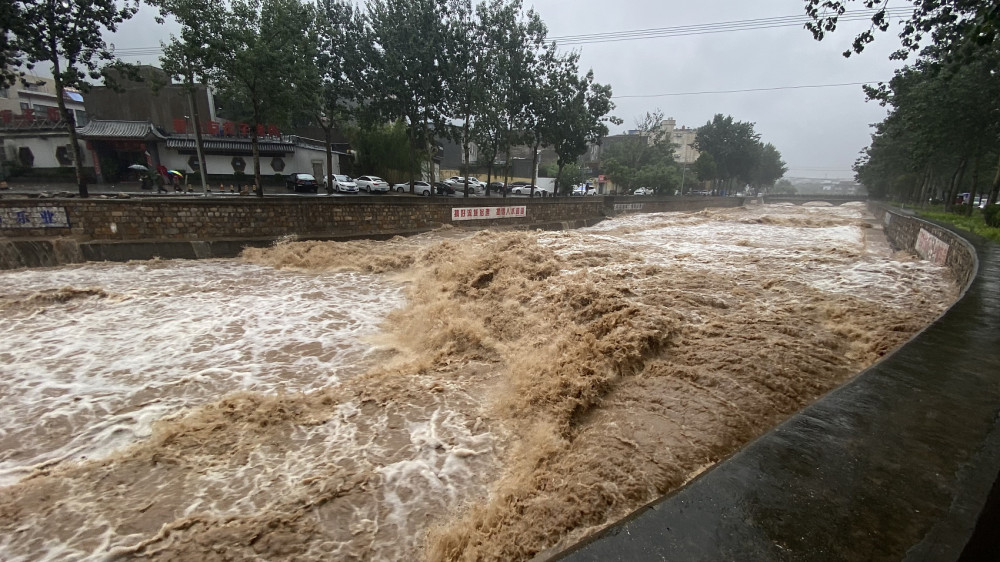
(973,223)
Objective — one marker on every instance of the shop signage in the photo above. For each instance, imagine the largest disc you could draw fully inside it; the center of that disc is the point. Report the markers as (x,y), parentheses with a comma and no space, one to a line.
(479,213)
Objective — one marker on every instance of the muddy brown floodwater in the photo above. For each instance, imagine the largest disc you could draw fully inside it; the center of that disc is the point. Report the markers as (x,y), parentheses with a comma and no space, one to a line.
(457,395)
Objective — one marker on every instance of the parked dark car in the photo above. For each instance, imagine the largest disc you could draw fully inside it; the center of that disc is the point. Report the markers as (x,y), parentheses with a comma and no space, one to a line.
(442,188)
(304,183)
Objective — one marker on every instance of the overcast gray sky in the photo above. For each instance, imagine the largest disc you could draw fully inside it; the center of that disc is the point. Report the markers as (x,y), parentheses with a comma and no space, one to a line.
(819,131)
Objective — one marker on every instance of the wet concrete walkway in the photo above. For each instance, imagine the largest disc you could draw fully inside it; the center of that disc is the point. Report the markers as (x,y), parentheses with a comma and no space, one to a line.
(895,465)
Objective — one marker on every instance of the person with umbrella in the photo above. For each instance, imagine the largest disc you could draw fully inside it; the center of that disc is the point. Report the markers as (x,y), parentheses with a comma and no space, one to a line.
(175,179)
(162,178)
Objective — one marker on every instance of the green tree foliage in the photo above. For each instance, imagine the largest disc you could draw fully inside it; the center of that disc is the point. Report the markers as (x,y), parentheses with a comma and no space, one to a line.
(784,187)
(943,118)
(705,167)
(336,67)
(948,28)
(66,35)
(381,147)
(577,114)
(738,155)
(269,45)
(643,159)
(768,169)
(940,134)
(404,45)
(468,75)
(193,54)
(508,39)
(569,176)
(10,60)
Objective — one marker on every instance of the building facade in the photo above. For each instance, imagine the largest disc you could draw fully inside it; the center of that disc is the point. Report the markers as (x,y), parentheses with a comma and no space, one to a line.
(146,123)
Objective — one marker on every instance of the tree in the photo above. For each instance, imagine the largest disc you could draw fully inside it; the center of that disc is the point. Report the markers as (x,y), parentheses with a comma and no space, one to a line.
(570,175)
(644,156)
(943,121)
(68,36)
(337,67)
(784,187)
(192,56)
(10,60)
(705,167)
(384,148)
(268,44)
(501,39)
(768,169)
(518,73)
(956,28)
(734,146)
(950,33)
(404,46)
(579,115)
(468,73)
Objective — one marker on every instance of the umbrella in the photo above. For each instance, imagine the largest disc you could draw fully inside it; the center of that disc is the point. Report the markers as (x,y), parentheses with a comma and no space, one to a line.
(175,173)
(138,167)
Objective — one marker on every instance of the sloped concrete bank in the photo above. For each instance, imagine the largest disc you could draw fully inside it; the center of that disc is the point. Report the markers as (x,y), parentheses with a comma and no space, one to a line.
(47,232)
(897,464)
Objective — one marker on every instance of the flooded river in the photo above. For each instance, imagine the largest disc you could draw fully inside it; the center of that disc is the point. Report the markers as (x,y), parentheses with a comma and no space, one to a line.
(456,395)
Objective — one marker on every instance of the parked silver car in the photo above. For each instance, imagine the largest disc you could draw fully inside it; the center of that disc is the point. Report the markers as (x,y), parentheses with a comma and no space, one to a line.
(344,184)
(372,184)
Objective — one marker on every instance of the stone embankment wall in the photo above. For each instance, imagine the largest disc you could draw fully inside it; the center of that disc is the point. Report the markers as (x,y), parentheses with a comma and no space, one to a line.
(930,241)
(46,232)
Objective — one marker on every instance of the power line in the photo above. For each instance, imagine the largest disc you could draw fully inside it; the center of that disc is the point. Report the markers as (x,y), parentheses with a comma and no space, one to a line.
(651,33)
(719,27)
(745,90)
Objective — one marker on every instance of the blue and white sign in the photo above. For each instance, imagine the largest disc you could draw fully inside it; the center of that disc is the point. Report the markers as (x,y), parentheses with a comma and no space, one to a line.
(33,217)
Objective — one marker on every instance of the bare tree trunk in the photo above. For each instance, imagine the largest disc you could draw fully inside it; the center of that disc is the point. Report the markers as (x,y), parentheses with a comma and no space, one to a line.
(925,186)
(81,178)
(534,166)
(465,148)
(256,149)
(196,117)
(956,180)
(327,132)
(413,157)
(995,188)
(975,183)
(431,150)
(506,169)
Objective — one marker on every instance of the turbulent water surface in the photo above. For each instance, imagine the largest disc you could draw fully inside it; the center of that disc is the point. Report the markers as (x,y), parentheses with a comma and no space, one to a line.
(455,395)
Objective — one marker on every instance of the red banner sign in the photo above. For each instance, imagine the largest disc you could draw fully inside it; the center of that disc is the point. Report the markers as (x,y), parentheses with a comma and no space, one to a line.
(479,213)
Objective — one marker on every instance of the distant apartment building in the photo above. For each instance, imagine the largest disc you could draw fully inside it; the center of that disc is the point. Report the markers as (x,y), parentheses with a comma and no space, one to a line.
(682,139)
(32,131)
(34,98)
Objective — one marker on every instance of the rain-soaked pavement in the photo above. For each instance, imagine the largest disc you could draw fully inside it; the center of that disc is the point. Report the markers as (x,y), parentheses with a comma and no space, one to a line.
(895,465)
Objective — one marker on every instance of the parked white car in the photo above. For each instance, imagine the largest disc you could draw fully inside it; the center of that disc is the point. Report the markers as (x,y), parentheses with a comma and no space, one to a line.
(458,182)
(526,190)
(344,184)
(580,190)
(419,187)
(372,184)
(643,191)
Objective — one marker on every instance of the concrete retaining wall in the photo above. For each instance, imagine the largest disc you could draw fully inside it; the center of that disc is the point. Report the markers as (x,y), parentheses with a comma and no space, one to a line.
(930,241)
(45,232)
